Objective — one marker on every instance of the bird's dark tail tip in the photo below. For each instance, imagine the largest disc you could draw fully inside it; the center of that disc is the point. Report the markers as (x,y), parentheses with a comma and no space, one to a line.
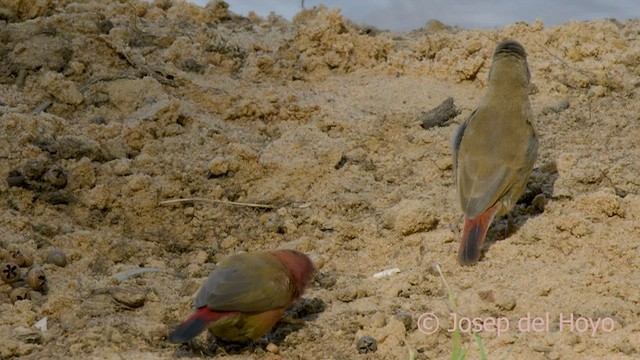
(471,243)
(188,330)
(475,231)
(193,326)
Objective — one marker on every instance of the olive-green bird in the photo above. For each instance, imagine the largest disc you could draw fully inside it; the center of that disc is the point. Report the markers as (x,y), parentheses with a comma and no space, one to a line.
(246,294)
(495,148)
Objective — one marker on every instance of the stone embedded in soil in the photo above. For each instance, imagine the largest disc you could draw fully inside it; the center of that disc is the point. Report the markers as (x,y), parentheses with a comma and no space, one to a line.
(367,344)
(63,90)
(601,204)
(351,293)
(36,297)
(17,294)
(129,297)
(378,320)
(71,147)
(557,107)
(305,307)
(218,167)
(9,272)
(56,176)
(21,257)
(56,257)
(272,348)
(27,335)
(128,95)
(35,278)
(405,318)
(15,178)
(411,216)
(41,51)
(505,302)
(539,202)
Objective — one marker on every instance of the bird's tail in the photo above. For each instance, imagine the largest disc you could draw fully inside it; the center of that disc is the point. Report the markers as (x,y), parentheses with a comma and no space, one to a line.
(196,324)
(475,231)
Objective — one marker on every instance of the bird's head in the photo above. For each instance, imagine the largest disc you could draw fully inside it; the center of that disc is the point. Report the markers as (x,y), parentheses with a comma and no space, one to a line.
(299,264)
(509,65)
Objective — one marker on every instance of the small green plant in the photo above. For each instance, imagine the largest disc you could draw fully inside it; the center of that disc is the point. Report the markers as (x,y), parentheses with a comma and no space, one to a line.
(458,352)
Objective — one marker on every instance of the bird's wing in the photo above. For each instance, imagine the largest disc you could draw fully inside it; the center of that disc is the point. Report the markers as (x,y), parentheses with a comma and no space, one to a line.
(457,139)
(480,189)
(247,283)
(485,175)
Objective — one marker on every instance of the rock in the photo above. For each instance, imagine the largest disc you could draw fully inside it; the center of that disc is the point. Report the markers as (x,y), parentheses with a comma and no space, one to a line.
(411,216)
(63,90)
(17,294)
(128,297)
(56,257)
(41,51)
(218,167)
(273,348)
(35,278)
(9,272)
(367,344)
(405,318)
(378,320)
(27,335)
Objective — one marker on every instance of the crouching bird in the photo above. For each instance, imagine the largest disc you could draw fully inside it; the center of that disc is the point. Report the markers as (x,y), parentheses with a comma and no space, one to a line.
(246,294)
(495,148)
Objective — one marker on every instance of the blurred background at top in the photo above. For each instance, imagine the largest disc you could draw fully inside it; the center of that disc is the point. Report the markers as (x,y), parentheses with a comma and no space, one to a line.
(405,15)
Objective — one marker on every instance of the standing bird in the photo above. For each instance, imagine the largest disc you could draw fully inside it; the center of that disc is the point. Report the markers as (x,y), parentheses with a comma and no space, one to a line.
(246,294)
(495,148)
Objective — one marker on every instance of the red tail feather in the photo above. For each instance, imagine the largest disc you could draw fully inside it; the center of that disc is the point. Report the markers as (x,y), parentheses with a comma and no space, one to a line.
(196,324)
(475,231)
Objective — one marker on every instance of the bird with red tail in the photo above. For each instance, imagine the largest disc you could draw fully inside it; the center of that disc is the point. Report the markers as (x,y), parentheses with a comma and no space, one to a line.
(246,294)
(495,148)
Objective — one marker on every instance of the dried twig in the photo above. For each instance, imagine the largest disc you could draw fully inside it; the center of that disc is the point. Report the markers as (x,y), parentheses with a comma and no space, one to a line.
(124,275)
(214,201)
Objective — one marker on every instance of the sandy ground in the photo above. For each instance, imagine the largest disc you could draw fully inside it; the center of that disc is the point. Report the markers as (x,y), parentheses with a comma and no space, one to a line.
(138,103)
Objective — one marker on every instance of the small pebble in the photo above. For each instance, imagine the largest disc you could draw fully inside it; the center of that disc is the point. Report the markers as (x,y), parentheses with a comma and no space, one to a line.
(273,348)
(35,296)
(104,26)
(218,167)
(9,272)
(56,176)
(99,120)
(539,202)
(41,324)
(191,65)
(15,178)
(367,344)
(406,319)
(506,302)
(35,278)
(21,293)
(21,258)
(386,273)
(378,320)
(56,257)
(27,335)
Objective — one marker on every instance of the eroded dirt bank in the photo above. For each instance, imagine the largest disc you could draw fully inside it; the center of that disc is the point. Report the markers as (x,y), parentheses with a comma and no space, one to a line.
(136,103)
